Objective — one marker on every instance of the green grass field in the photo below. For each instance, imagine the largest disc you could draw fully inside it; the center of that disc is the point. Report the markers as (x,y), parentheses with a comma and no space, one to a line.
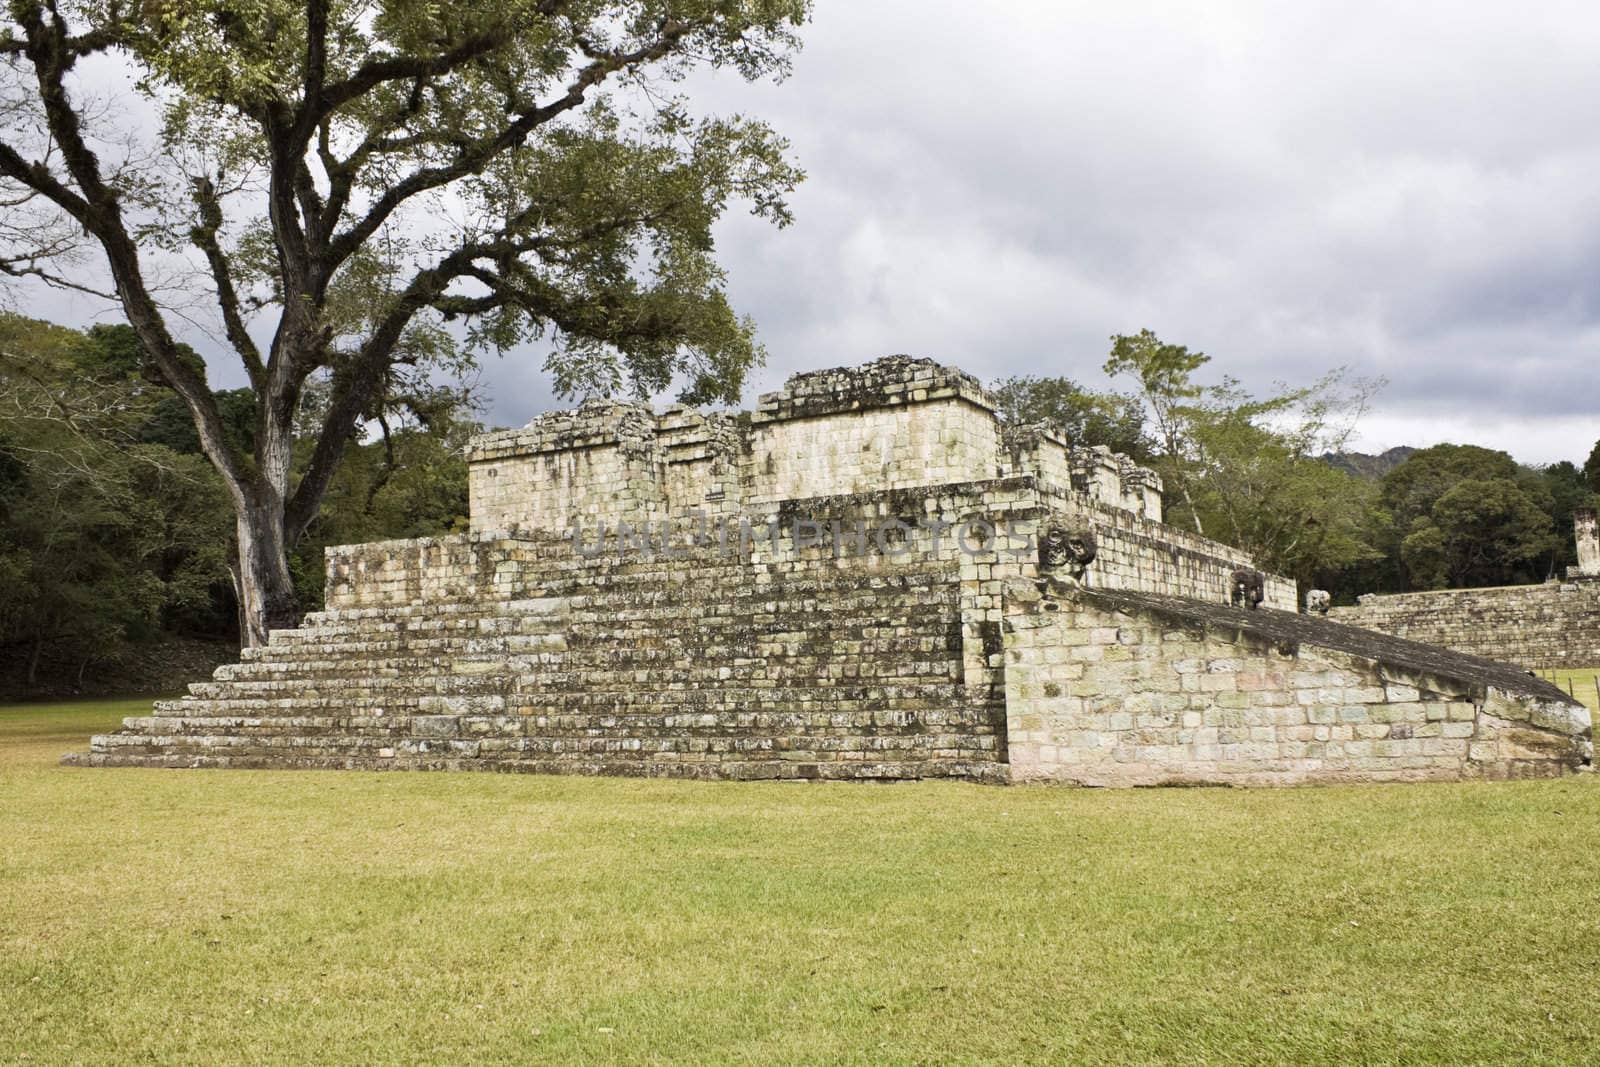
(1580,682)
(210,917)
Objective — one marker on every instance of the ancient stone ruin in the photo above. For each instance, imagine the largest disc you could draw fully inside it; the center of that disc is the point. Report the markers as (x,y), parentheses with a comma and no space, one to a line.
(868,577)
(1545,627)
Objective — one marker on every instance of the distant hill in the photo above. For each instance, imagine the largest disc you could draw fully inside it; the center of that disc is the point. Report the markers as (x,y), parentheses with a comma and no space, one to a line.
(1363,465)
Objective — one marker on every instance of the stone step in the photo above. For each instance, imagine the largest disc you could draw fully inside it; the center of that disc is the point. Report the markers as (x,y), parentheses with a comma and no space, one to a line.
(864,613)
(587,667)
(973,768)
(483,720)
(456,696)
(632,747)
(538,681)
(555,648)
(872,635)
(397,638)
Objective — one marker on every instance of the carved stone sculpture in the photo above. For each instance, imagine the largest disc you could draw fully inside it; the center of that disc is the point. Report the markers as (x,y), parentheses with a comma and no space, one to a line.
(1249,588)
(1061,549)
(1318,601)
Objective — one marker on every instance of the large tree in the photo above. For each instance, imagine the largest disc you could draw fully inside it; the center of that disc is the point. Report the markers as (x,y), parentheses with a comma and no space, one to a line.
(344,181)
(1466,515)
(1084,417)
(1166,383)
(1246,469)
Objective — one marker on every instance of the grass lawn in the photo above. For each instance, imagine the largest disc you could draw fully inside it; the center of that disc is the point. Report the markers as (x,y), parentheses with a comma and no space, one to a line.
(1580,682)
(216,916)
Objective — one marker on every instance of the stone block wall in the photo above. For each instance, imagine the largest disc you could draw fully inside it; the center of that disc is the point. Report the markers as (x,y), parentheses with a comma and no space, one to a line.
(600,459)
(1550,626)
(1037,450)
(925,443)
(895,423)
(459,653)
(797,661)
(1129,689)
(1139,554)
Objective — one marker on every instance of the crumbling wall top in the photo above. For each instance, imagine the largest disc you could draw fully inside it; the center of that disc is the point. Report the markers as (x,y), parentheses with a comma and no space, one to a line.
(1019,437)
(886,382)
(595,422)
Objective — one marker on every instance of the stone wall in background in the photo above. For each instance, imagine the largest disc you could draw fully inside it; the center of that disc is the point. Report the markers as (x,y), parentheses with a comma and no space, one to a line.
(1550,626)
(1544,627)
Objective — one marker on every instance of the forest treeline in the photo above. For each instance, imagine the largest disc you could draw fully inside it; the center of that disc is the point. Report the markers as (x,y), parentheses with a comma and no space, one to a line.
(115,531)
(1272,475)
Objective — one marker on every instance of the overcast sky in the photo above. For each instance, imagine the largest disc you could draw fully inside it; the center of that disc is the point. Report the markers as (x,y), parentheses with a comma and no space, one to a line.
(1410,190)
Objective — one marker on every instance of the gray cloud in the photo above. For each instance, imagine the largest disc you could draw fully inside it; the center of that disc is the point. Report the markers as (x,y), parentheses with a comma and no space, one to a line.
(1405,189)
(1288,187)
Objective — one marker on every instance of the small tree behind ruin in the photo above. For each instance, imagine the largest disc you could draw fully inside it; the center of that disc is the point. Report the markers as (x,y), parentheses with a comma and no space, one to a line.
(368,194)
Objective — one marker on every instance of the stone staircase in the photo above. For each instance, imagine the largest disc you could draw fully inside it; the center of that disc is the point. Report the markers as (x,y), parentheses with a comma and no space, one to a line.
(829,677)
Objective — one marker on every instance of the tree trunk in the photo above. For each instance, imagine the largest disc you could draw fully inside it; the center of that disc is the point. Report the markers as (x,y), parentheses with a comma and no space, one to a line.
(266,591)
(33,660)
(1194,514)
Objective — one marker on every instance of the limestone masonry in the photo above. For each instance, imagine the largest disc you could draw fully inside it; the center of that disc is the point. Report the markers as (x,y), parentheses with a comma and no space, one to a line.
(868,577)
(1548,626)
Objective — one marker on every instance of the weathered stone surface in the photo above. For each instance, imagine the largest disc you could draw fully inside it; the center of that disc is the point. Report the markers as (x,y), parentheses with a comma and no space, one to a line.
(1546,626)
(881,613)
(1263,698)
(1586,531)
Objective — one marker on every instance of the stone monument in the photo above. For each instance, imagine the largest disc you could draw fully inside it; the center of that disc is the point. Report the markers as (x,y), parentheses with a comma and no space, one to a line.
(867,577)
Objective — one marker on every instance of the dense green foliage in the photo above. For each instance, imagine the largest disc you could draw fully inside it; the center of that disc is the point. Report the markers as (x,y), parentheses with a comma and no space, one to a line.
(105,537)
(1103,418)
(1460,515)
(114,530)
(1268,475)
(369,197)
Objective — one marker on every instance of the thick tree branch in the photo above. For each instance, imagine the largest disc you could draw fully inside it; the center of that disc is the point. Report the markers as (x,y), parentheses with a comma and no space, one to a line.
(474,156)
(357,383)
(403,68)
(204,236)
(96,206)
(37,176)
(321,101)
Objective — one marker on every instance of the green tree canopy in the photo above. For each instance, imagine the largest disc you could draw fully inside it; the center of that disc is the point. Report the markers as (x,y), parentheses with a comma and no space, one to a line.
(1263,487)
(1165,376)
(1243,469)
(1081,416)
(1569,490)
(1466,515)
(1479,532)
(104,538)
(372,194)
